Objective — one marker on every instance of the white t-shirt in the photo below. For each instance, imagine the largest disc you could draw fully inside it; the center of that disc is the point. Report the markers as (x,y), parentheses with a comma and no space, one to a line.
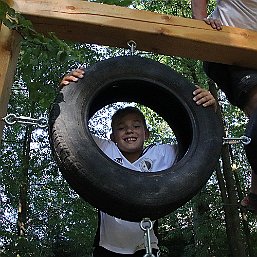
(122,236)
(237,13)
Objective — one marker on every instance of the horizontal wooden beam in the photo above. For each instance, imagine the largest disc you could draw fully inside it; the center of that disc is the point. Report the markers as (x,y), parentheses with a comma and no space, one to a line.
(88,22)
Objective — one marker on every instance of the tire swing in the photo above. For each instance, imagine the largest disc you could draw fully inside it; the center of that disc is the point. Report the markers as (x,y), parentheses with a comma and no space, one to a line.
(106,185)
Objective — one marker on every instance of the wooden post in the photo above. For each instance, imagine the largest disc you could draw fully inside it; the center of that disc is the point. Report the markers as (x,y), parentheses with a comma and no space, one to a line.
(9,52)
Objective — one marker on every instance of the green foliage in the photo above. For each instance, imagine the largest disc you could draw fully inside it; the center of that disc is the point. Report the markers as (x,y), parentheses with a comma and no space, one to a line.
(171,7)
(15,21)
(114,2)
(160,132)
(58,222)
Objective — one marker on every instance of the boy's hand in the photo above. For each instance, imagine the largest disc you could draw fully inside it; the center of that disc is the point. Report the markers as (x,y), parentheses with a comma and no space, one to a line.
(72,77)
(204,97)
(214,23)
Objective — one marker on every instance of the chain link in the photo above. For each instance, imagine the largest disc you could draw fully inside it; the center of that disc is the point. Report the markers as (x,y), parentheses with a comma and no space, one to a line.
(12,119)
(147,225)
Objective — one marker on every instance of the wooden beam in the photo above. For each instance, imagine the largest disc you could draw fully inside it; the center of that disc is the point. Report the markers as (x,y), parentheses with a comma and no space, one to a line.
(88,22)
(9,52)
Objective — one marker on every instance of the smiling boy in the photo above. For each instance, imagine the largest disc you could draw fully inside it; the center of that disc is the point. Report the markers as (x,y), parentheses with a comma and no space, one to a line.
(129,132)
(116,237)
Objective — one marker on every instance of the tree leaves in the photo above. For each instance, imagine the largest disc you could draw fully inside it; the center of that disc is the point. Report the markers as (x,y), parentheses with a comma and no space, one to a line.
(115,2)
(57,217)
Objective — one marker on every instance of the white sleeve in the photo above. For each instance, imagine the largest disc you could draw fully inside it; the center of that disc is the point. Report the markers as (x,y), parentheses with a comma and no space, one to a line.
(170,153)
(103,144)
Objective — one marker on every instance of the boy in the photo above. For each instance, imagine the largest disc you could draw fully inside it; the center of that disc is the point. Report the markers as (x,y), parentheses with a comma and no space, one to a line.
(116,237)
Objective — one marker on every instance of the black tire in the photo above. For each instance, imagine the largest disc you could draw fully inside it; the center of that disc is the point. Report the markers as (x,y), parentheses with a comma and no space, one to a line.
(110,187)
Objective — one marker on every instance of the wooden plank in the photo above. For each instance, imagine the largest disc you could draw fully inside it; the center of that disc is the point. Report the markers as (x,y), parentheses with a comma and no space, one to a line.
(9,51)
(88,22)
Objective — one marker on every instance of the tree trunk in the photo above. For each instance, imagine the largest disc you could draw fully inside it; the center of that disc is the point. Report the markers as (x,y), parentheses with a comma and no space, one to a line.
(227,186)
(24,183)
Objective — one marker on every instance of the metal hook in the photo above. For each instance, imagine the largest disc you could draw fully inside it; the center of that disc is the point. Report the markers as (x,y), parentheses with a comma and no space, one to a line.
(147,225)
(132,44)
(12,119)
(235,140)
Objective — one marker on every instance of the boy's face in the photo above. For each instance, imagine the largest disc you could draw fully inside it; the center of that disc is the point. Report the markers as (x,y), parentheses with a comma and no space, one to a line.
(129,133)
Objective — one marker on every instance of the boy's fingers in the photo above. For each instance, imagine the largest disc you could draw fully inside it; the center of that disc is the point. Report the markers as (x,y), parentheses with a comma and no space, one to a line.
(214,23)
(207,21)
(201,100)
(197,92)
(200,92)
(65,82)
(209,103)
(67,79)
(206,103)
(74,76)
(203,97)
(78,73)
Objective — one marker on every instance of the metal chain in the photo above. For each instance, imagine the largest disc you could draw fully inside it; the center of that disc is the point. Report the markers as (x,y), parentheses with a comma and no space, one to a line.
(132,44)
(147,225)
(235,140)
(12,119)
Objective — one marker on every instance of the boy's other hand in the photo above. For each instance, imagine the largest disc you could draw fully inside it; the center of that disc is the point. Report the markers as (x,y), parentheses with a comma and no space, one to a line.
(74,76)
(204,97)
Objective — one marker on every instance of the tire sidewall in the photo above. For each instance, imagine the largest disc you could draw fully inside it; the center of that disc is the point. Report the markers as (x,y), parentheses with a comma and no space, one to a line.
(108,186)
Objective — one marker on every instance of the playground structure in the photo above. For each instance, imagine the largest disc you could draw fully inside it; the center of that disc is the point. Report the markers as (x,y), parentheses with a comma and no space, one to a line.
(115,26)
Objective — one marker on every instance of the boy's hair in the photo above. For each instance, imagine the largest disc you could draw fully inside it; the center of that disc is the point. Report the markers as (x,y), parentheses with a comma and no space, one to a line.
(127,110)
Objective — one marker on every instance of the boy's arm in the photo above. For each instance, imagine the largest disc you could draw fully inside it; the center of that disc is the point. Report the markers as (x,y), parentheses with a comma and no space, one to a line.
(103,144)
(199,12)
(199,9)
(201,96)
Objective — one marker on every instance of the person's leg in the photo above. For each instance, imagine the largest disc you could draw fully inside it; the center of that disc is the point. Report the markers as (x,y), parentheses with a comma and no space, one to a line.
(240,86)
(220,74)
